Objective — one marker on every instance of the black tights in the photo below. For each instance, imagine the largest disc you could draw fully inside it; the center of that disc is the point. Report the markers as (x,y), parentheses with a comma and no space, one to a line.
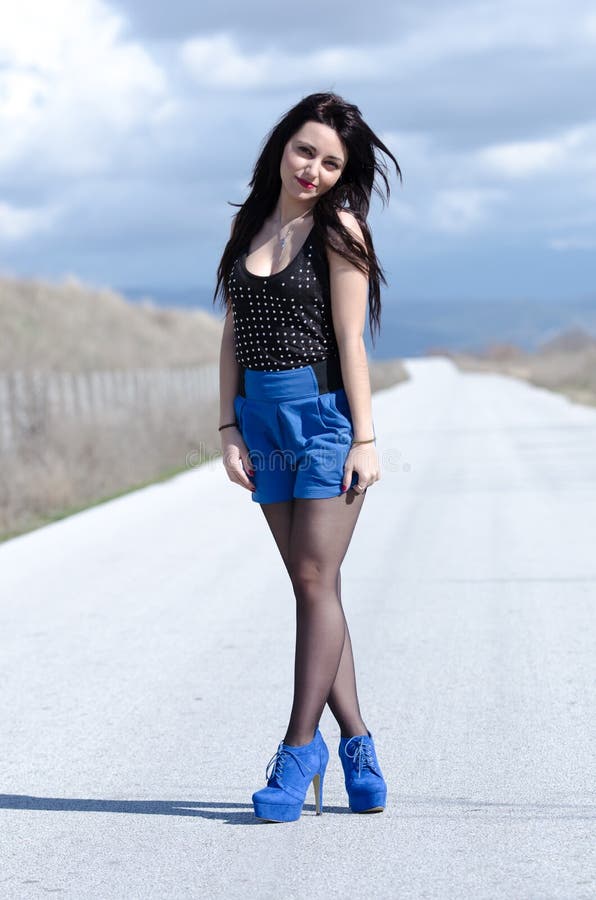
(313,537)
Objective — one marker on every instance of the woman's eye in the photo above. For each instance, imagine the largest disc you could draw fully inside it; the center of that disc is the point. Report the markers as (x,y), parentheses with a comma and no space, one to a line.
(309,151)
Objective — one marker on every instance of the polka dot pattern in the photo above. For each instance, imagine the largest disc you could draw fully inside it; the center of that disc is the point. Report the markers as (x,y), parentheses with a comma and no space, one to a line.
(283,321)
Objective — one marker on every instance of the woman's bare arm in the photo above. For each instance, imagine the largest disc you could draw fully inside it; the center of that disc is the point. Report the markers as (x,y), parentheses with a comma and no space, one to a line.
(229,372)
(349,301)
(236,458)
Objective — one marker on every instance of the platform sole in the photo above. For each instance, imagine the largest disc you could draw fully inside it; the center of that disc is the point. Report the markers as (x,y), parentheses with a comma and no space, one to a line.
(372,804)
(288,812)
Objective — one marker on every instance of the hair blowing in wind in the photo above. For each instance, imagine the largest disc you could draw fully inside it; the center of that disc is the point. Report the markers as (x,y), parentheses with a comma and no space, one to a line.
(365,171)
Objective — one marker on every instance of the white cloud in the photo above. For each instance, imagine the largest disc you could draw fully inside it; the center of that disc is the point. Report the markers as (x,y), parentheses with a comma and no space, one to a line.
(218,62)
(589,26)
(70,85)
(18,223)
(441,190)
(573,148)
(411,146)
(522,158)
(573,243)
(457,210)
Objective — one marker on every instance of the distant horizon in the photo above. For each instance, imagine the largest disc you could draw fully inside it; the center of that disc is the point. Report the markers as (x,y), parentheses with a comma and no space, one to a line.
(462,323)
(135,292)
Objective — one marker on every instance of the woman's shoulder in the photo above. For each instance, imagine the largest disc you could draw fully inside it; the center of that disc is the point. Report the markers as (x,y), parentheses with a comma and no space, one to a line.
(350,223)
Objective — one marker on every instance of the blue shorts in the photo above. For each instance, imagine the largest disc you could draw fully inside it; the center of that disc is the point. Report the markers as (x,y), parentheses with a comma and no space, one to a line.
(298,438)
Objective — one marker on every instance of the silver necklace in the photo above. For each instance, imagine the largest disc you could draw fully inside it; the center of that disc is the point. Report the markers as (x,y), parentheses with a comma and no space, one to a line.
(289,226)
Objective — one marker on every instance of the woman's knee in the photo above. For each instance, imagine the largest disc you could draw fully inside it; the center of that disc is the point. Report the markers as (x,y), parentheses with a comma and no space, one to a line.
(311,578)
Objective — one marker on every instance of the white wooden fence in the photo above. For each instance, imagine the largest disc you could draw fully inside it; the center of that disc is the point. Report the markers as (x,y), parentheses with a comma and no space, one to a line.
(32,402)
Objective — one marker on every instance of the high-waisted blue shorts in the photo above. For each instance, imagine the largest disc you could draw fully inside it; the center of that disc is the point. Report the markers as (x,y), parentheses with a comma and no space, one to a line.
(297,436)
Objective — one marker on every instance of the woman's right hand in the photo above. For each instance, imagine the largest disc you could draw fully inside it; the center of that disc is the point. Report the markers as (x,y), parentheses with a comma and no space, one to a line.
(235,458)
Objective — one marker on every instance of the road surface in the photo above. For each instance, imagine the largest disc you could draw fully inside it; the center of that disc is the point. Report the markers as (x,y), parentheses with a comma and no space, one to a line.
(146,663)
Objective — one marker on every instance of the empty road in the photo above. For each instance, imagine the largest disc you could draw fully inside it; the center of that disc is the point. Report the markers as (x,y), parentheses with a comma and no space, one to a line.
(146,665)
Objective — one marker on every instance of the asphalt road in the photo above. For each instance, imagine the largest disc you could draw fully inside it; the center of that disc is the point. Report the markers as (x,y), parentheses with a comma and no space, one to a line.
(146,662)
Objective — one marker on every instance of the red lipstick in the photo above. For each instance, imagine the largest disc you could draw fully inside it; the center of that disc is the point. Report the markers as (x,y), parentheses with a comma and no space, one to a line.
(305,184)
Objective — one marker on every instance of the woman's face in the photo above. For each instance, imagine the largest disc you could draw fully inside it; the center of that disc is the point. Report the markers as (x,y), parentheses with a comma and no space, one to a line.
(312,161)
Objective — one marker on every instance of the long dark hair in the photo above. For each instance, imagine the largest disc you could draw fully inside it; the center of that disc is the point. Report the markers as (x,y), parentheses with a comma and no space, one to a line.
(352,191)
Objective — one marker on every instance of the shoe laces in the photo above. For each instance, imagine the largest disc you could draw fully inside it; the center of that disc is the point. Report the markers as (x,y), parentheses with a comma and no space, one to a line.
(275,766)
(362,755)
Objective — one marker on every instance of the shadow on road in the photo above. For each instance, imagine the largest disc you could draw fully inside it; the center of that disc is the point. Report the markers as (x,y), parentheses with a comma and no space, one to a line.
(229,813)
(407,807)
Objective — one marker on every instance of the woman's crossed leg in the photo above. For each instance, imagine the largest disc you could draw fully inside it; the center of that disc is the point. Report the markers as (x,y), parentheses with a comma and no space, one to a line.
(313,536)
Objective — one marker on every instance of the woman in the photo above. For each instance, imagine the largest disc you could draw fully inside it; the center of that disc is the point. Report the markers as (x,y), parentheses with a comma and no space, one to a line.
(295,405)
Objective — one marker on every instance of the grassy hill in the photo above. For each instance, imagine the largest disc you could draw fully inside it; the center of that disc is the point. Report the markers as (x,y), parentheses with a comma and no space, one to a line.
(78,328)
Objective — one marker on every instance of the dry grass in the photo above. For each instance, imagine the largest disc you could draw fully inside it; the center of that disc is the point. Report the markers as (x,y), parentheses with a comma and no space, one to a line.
(75,466)
(70,464)
(386,372)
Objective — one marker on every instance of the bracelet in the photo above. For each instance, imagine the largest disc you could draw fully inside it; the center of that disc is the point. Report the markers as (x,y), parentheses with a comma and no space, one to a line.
(229,425)
(370,441)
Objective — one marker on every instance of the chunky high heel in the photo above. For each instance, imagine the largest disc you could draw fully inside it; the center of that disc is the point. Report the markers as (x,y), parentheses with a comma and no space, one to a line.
(289,774)
(366,787)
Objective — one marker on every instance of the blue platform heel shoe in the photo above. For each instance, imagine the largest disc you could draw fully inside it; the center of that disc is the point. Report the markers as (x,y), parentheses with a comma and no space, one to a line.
(366,787)
(289,774)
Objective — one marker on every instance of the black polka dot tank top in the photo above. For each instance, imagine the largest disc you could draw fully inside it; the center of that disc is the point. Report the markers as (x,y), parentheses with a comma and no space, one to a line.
(283,321)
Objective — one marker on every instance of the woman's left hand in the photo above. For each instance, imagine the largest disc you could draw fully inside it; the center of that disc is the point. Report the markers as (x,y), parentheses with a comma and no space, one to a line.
(362,459)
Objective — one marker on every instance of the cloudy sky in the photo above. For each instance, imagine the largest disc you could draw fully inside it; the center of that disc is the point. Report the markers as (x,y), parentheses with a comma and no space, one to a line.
(128,125)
